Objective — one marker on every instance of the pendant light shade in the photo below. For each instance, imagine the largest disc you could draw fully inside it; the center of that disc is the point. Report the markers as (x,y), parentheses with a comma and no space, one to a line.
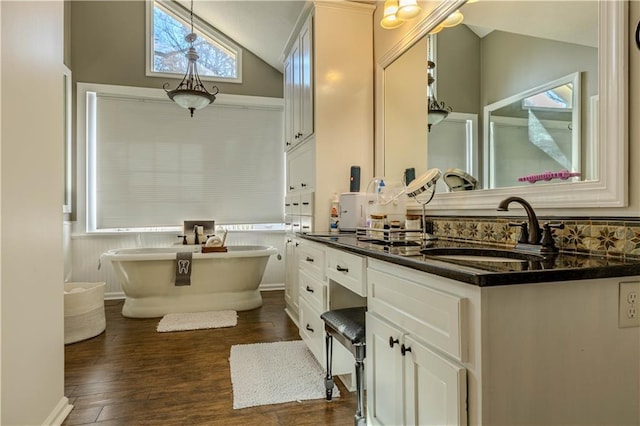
(408,9)
(390,19)
(191,93)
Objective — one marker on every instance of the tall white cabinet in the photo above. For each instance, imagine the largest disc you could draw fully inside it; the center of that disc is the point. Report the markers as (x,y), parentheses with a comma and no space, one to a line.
(328,85)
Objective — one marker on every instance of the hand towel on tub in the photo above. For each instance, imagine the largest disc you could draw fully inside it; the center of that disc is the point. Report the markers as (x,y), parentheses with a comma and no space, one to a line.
(183,268)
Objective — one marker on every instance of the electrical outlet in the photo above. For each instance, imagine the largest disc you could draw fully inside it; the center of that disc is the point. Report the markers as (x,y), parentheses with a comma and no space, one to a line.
(629,305)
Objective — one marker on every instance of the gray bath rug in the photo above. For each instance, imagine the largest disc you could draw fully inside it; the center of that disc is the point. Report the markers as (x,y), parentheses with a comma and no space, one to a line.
(197,321)
(273,373)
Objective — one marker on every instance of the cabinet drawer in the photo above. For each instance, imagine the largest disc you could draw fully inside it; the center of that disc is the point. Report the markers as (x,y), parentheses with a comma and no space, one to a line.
(306,224)
(348,270)
(312,330)
(311,260)
(306,203)
(432,315)
(294,204)
(313,291)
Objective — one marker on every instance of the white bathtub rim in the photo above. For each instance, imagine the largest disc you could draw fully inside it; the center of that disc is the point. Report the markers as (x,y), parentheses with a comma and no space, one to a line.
(168,253)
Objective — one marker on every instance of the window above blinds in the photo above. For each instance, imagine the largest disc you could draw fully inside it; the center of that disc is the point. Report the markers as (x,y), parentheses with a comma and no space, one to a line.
(151,165)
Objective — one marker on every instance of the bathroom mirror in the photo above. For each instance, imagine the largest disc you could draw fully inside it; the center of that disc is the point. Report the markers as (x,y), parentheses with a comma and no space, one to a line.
(603,183)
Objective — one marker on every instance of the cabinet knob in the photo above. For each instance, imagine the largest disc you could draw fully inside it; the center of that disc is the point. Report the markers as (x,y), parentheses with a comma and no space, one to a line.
(297,244)
(308,327)
(309,289)
(341,269)
(288,143)
(291,188)
(309,259)
(393,341)
(304,185)
(404,349)
(299,135)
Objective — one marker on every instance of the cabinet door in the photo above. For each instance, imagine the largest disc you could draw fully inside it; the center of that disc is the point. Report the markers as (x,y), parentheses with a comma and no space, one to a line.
(435,388)
(291,275)
(296,90)
(301,168)
(306,76)
(384,373)
(288,103)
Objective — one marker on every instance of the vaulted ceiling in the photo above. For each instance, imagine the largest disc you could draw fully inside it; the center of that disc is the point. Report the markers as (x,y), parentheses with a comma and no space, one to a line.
(261,26)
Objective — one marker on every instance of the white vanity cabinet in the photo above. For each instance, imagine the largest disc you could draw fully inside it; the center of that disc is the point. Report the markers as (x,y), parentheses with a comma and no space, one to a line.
(415,349)
(529,354)
(328,85)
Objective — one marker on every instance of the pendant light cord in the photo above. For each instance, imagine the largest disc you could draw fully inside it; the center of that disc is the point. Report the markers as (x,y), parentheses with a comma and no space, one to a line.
(191,15)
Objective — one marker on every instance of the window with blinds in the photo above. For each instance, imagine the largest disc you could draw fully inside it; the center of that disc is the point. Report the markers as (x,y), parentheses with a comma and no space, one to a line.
(150,165)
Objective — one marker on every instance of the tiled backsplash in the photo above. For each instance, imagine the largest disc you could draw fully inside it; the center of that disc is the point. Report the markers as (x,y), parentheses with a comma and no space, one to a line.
(602,236)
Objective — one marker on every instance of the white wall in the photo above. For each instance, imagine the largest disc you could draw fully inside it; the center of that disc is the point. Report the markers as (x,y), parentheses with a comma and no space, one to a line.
(32,341)
(85,250)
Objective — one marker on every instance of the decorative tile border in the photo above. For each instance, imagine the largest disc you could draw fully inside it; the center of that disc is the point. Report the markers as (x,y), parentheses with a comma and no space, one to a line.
(617,237)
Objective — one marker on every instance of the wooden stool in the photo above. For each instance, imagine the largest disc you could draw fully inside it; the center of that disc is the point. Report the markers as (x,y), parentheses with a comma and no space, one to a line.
(347,326)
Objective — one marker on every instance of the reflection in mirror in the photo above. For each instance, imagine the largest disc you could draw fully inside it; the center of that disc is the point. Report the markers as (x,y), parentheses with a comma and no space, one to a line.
(534,135)
(492,57)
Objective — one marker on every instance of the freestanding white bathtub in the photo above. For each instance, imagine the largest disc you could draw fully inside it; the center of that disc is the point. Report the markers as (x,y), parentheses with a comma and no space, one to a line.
(219,281)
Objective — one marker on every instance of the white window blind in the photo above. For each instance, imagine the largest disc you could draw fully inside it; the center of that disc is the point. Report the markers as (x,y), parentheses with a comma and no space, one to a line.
(155,166)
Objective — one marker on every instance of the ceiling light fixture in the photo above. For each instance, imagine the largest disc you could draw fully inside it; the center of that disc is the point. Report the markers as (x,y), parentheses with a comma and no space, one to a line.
(437,111)
(191,93)
(396,12)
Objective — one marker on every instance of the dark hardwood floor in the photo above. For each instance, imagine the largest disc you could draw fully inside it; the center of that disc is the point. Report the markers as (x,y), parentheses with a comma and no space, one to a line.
(132,375)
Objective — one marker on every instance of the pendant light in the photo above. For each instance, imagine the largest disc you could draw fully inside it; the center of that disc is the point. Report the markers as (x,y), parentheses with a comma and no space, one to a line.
(191,93)
(437,111)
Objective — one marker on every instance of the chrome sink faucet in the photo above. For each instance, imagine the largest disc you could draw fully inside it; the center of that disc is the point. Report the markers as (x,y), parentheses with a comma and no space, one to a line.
(533,227)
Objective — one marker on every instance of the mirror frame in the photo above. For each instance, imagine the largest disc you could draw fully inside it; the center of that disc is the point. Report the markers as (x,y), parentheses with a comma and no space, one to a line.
(610,186)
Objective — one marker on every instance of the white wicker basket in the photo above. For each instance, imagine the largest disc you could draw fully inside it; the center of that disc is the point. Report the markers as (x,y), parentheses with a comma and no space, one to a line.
(83,311)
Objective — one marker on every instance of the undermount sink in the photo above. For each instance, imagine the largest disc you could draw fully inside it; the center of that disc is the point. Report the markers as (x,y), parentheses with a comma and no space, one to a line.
(476,254)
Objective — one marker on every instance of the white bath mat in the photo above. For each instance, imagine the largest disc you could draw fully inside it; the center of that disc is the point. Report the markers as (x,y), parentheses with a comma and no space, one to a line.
(197,321)
(272,373)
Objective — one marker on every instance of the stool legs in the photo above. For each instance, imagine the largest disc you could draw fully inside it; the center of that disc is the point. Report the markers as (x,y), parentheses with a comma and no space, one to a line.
(359,418)
(328,380)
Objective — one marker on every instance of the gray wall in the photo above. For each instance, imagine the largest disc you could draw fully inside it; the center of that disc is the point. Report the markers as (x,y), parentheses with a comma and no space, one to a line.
(108,47)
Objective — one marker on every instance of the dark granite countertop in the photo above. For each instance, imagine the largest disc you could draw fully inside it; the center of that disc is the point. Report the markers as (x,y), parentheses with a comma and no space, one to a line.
(563,266)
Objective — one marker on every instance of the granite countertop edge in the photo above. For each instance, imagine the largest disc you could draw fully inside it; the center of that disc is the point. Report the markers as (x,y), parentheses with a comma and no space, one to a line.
(479,277)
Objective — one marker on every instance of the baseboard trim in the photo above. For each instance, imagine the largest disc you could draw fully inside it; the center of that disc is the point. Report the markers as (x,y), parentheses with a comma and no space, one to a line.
(271,287)
(59,414)
(114,295)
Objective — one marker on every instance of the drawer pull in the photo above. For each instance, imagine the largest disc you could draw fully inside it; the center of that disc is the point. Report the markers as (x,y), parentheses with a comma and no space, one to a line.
(296,204)
(305,203)
(308,327)
(393,341)
(309,289)
(309,259)
(404,349)
(341,269)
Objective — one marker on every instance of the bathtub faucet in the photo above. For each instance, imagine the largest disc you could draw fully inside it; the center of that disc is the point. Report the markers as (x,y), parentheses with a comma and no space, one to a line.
(196,240)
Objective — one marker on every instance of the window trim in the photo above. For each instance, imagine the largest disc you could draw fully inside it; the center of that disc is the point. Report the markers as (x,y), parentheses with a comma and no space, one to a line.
(200,26)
